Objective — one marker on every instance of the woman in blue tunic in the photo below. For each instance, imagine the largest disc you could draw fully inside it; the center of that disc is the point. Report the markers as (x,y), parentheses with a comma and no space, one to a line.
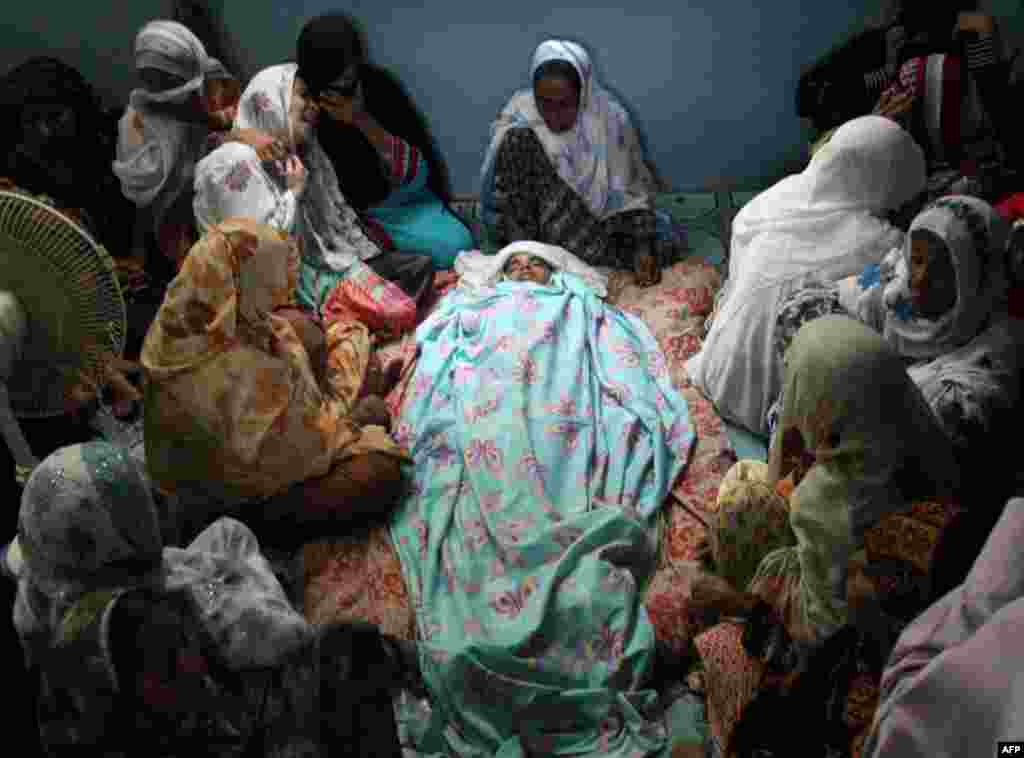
(387,166)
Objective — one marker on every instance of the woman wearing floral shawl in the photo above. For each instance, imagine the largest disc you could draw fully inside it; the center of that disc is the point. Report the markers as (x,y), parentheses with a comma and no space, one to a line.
(344,271)
(226,665)
(566,167)
(244,402)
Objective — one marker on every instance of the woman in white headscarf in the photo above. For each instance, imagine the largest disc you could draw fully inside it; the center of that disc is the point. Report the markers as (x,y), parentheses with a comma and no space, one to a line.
(186,95)
(824,223)
(344,272)
(940,303)
(566,167)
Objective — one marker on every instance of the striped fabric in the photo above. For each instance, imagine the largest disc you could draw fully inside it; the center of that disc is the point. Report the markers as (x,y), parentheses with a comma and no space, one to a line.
(404,161)
(981,52)
(878,80)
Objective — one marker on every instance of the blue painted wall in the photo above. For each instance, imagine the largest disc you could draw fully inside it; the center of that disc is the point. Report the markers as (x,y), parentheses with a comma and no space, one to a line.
(711,82)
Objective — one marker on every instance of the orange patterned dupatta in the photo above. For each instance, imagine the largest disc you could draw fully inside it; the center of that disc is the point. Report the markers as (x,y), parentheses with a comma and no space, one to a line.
(233,400)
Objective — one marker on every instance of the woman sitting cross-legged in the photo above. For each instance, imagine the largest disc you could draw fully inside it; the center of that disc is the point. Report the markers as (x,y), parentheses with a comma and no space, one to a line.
(247,400)
(565,167)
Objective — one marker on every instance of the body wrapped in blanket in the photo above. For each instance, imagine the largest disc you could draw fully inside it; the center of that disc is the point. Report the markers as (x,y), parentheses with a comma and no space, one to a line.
(545,434)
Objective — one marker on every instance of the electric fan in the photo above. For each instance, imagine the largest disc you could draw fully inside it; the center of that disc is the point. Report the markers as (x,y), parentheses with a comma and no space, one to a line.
(62,314)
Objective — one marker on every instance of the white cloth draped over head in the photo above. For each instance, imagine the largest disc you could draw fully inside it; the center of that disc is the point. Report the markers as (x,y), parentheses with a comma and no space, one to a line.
(157,170)
(822,223)
(976,237)
(327,226)
(600,157)
(478,270)
(232,182)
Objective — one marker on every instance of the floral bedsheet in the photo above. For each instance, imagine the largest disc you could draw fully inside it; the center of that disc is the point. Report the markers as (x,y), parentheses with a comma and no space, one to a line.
(360,577)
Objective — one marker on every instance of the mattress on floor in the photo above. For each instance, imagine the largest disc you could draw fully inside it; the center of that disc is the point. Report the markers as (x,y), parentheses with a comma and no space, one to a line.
(707,216)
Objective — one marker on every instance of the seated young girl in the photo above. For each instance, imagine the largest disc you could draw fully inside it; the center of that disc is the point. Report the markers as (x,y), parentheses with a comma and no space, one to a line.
(940,302)
(344,270)
(138,648)
(241,407)
(185,96)
(825,223)
(566,167)
(386,163)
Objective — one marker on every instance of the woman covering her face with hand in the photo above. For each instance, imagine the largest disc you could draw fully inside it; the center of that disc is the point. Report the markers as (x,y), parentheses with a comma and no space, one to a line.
(344,273)
(385,160)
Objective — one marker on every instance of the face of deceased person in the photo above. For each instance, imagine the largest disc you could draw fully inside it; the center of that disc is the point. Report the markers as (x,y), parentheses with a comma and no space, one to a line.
(524,267)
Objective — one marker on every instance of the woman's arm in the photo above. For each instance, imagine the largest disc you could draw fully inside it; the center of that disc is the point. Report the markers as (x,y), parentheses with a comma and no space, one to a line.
(979,36)
(402,161)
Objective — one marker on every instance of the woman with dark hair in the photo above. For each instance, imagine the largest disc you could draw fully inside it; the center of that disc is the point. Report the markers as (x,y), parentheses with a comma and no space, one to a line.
(566,167)
(387,165)
(58,146)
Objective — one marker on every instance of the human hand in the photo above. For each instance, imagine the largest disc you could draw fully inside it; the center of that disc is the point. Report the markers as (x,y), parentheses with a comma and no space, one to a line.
(222,120)
(896,106)
(268,147)
(295,174)
(981,23)
(860,589)
(340,108)
(647,271)
(372,410)
(712,593)
(113,376)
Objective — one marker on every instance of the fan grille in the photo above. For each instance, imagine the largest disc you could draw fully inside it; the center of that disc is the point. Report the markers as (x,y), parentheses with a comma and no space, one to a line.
(68,285)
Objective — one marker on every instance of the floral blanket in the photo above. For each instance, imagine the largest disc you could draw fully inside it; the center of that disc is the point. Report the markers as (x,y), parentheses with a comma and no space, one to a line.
(360,578)
(545,434)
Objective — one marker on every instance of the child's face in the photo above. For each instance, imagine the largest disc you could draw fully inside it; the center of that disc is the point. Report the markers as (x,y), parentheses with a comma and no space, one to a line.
(932,276)
(527,268)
